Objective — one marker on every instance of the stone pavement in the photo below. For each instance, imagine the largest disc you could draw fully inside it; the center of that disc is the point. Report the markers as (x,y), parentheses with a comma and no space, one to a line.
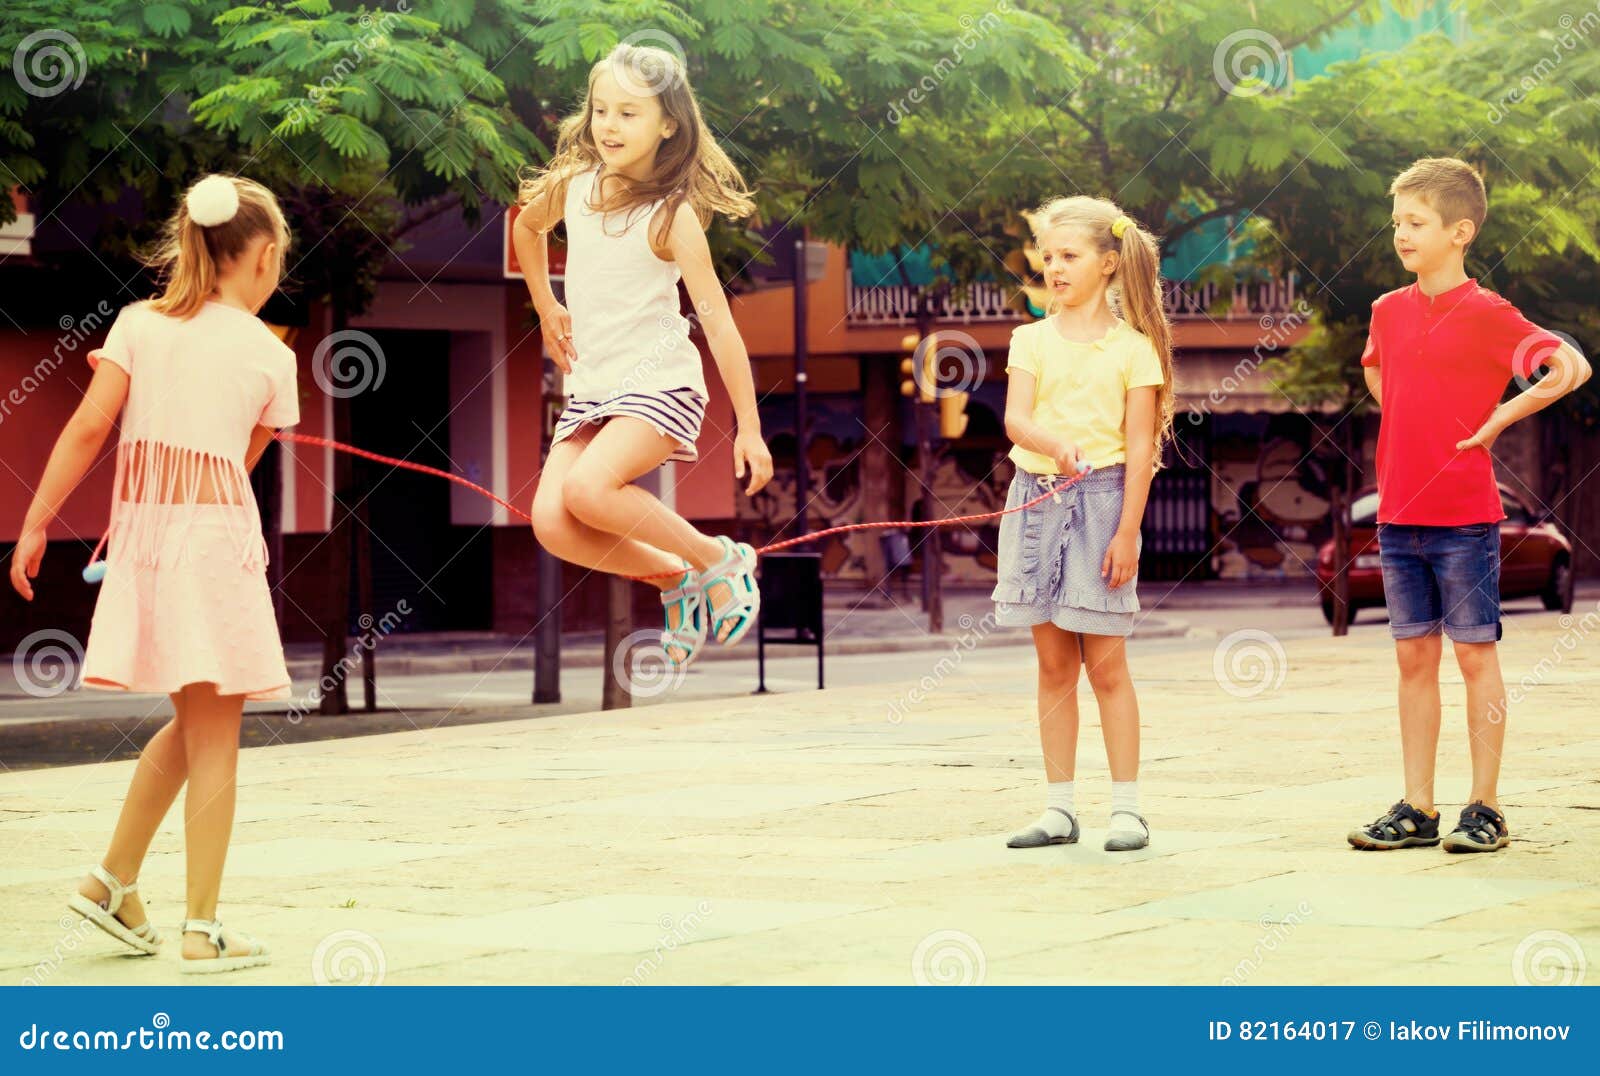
(857,836)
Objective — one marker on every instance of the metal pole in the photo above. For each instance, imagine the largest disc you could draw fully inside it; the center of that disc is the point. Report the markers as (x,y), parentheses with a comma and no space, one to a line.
(802,469)
(547,602)
(927,434)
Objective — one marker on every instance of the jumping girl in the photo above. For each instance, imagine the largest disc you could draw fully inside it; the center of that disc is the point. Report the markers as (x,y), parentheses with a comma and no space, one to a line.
(184,609)
(637,176)
(1089,384)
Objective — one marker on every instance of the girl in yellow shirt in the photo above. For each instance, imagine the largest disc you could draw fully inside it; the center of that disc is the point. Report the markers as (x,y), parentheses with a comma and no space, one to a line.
(1091,384)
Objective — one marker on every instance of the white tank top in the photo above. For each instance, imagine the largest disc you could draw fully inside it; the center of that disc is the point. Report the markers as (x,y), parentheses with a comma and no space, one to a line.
(626,328)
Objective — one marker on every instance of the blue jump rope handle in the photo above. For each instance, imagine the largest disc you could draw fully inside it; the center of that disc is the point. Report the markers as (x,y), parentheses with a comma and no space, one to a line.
(1083,466)
(95,572)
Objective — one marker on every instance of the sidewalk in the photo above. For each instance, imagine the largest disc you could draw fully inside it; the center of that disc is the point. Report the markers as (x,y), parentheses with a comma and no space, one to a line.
(857,836)
(854,623)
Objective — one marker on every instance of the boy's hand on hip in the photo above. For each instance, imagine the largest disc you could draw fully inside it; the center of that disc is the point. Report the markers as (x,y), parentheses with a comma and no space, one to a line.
(1483,439)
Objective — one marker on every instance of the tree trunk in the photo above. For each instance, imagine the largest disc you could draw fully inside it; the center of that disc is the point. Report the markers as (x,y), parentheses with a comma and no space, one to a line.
(617,693)
(1339,502)
(336,613)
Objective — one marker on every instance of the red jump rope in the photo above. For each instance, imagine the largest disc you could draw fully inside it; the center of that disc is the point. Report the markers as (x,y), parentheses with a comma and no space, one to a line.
(96,569)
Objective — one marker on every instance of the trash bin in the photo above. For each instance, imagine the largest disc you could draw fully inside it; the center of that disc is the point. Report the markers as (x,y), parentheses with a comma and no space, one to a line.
(791,601)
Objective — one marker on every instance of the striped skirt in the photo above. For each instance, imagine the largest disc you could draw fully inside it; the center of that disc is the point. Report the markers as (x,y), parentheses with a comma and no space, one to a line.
(675,413)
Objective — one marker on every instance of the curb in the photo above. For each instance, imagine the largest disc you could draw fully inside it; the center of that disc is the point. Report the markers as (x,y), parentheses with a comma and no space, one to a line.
(590,656)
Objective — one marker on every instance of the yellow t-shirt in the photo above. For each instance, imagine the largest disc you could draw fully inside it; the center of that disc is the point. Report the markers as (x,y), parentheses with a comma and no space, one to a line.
(1081,390)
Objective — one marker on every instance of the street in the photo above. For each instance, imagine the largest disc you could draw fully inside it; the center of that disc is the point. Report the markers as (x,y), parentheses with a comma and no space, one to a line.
(857,835)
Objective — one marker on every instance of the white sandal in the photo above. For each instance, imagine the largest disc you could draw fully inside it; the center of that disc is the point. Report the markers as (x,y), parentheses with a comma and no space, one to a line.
(104,915)
(211,965)
(689,634)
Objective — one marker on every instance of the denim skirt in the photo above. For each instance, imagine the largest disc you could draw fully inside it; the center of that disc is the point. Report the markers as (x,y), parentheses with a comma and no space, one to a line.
(1050,555)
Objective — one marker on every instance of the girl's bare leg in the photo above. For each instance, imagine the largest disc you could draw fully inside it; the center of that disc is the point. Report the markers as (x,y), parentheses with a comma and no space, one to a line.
(573,540)
(1059,661)
(159,775)
(210,730)
(598,491)
(1106,657)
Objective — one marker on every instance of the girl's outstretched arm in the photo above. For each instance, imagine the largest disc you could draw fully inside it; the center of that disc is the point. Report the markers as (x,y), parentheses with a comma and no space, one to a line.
(688,247)
(75,451)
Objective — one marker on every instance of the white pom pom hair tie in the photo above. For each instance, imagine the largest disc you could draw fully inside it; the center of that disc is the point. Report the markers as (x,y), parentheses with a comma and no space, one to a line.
(213,200)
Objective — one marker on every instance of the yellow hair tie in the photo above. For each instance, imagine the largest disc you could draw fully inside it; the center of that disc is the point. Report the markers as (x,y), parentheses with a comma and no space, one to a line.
(1119,226)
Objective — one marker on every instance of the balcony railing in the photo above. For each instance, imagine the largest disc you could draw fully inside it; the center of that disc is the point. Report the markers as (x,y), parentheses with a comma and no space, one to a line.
(897,304)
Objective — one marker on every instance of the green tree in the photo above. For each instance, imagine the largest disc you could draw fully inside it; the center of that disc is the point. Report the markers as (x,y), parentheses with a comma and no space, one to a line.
(367,121)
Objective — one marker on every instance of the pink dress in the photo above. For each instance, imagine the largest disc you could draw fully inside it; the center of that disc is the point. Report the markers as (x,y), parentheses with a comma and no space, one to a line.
(184,599)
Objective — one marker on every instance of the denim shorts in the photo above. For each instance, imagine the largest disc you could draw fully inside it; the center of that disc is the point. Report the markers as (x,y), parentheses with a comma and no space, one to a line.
(1442,577)
(1050,556)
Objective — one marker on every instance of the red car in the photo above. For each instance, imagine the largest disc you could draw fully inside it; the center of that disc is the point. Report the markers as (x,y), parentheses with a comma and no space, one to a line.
(1535,557)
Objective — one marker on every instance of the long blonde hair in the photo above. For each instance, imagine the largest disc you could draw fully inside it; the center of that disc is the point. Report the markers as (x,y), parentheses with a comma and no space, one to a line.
(189,256)
(1134,288)
(689,166)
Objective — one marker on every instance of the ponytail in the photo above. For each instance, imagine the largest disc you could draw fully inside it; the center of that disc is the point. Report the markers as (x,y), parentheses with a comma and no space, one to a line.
(219,217)
(1138,283)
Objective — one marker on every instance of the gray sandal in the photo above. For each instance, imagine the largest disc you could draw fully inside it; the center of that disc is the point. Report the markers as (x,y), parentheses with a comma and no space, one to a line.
(1481,829)
(1129,844)
(1403,827)
(1038,837)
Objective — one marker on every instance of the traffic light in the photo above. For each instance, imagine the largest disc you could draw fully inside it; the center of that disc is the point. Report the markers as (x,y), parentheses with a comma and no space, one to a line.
(952,415)
(922,385)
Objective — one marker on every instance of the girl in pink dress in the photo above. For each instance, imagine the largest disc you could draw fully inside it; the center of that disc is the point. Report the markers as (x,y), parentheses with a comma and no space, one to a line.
(201,384)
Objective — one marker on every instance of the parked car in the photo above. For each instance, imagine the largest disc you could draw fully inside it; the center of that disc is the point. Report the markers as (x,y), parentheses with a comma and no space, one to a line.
(1535,557)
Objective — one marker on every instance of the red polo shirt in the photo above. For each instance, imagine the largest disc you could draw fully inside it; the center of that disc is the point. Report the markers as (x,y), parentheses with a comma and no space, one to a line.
(1445,363)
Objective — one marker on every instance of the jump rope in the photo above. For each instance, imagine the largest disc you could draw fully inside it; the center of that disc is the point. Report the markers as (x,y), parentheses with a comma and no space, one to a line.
(95,571)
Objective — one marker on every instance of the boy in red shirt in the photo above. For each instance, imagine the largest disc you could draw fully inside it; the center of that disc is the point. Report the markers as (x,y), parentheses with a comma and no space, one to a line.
(1439,356)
